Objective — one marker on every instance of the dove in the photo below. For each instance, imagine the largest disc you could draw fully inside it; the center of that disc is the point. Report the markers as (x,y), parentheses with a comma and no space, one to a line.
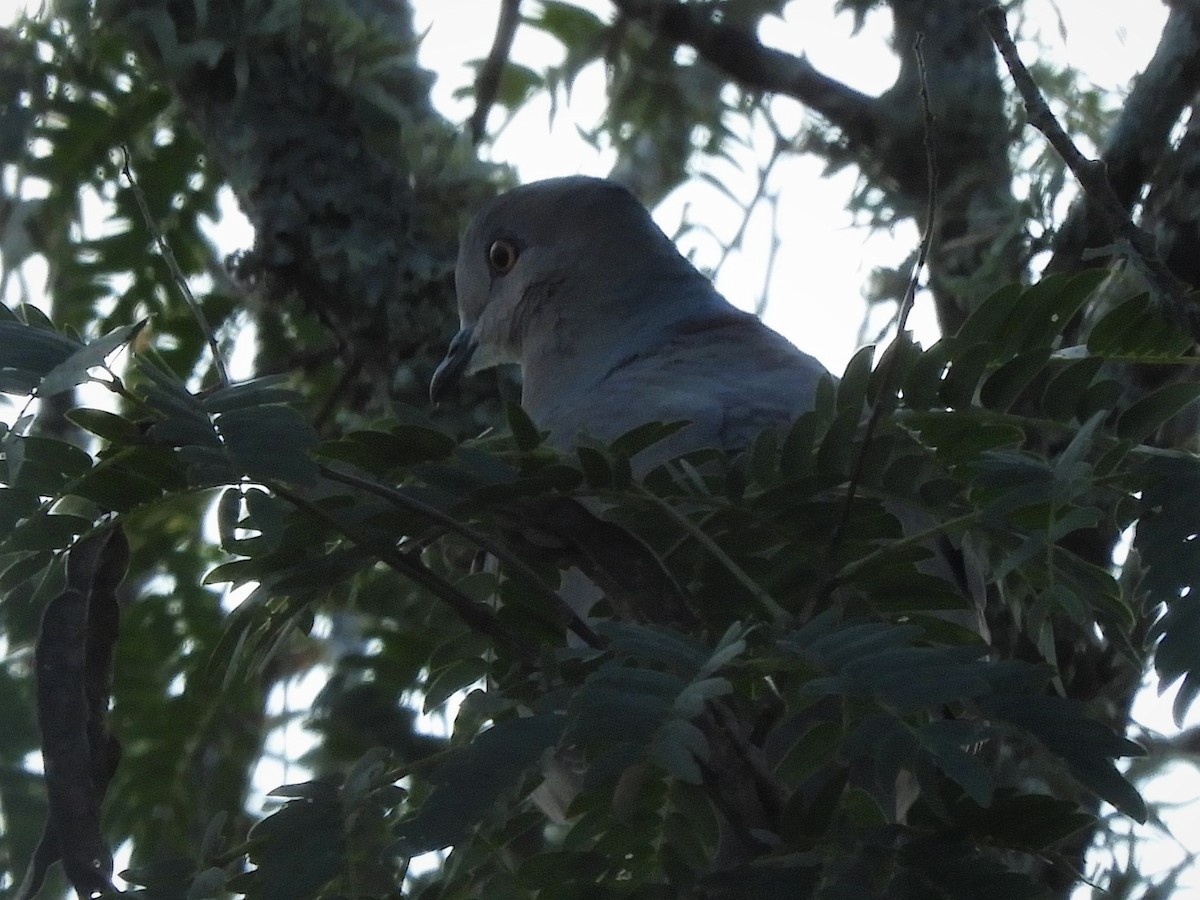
(612,327)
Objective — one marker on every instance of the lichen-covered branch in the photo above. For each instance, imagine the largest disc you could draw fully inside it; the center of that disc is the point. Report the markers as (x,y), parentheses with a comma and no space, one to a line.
(355,187)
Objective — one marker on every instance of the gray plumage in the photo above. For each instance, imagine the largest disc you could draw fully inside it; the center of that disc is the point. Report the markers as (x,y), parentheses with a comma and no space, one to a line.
(612,327)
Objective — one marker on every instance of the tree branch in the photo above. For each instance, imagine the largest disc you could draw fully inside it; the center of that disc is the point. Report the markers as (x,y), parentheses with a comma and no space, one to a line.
(168,256)
(1167,291)
(1141,137)
(487,82)
(737,53)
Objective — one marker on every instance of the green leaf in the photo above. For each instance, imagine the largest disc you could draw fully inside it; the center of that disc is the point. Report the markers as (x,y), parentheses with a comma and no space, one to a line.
(622,704)
(1034,822)
(25,566)
(655,646)
(644,436)
(1154,410)
(678,748)
(256,392)
(1074,454)
(966,369)
(987,322)
(381,452)
(1002,388)
(475,777)
(796,454)
(596,468)
(836,454)
(572,25)
(894,367)
(924,381)
(45,466)
(1065,390)
(691,700)
(33,352)
(298,849)
(1086,746)
(524,432)
(816,747)
(1046,308)
(269,443)
(45,532)
(449,680)
(104,424)
(852,389)
(186,430)
(1134,329)
(73,370)
(1101,396)
(517,84)
(945,739)
(961,437)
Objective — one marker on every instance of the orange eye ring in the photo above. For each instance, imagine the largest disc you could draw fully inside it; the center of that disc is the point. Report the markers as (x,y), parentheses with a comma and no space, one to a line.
(502,256)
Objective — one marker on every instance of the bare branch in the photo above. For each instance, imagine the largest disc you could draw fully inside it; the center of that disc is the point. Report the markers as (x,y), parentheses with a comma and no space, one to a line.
(1168,292)
(487,82)
(1141,136)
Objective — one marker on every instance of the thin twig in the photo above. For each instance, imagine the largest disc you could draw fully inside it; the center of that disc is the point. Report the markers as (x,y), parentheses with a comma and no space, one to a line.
(176,272)
(887,388)
(1170,294)
(518,566)
(476,616)
(487,82)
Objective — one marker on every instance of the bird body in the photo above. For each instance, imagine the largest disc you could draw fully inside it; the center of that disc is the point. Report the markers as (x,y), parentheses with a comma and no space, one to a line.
(612,327)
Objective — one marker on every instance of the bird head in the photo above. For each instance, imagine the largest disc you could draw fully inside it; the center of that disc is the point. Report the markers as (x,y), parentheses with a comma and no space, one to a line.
(546,261)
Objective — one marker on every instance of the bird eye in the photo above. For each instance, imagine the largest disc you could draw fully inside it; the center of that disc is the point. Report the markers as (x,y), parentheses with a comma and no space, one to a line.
(502,256)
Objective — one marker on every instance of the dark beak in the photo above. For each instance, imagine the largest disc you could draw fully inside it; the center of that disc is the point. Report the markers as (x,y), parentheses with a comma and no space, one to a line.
(450,369)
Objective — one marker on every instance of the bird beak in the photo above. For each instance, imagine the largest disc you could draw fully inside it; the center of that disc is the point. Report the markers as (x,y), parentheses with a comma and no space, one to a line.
(450,369)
